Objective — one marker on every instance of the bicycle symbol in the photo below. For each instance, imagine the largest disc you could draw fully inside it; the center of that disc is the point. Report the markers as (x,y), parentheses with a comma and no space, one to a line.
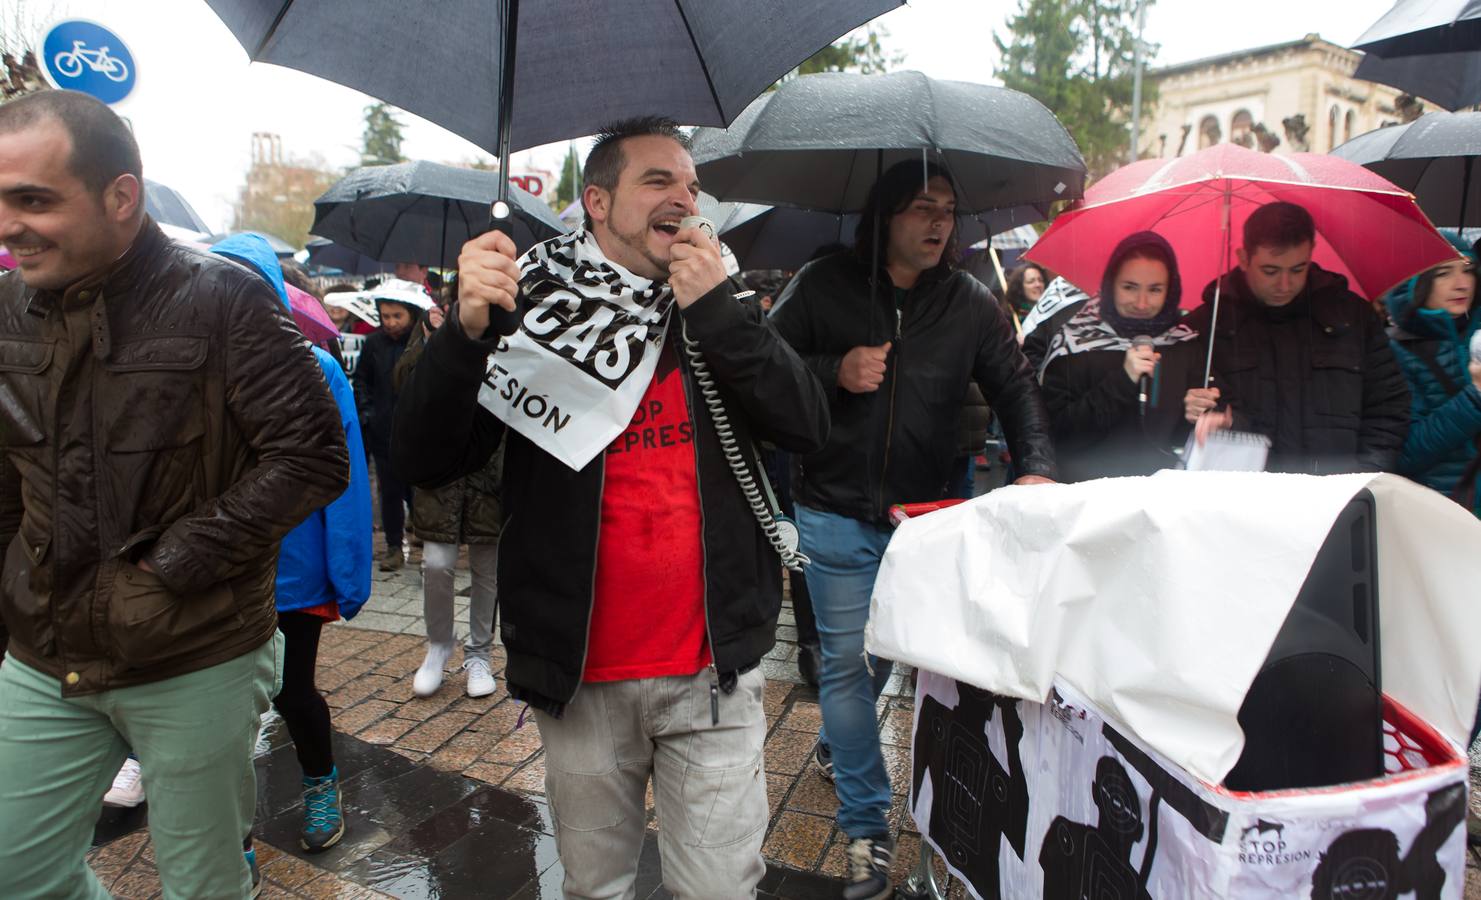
(70,62)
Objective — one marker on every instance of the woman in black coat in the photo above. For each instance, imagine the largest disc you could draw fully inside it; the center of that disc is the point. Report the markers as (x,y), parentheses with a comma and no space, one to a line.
(1093,372)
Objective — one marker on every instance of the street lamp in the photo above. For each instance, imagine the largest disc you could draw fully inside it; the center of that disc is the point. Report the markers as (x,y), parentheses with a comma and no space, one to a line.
(1136,80)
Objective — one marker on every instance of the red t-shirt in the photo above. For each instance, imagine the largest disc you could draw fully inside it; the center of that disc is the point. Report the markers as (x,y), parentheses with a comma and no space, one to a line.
(648,617)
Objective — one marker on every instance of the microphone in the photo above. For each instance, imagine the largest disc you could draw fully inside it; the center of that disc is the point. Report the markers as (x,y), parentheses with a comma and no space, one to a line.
(1475,347)
(1143,384)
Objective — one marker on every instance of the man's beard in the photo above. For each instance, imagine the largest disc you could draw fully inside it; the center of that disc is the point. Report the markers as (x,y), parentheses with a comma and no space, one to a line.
(637,241)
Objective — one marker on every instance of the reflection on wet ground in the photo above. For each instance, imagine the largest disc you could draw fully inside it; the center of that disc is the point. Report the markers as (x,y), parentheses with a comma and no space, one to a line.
(415,832)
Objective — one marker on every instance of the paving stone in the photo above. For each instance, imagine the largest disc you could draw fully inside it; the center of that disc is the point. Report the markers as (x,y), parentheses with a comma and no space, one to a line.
(804,716)
(788,751)
(491,773)
(774,696)
(798,840)
(529,779)
(357,689)
(386,731)
(362,714)
(516,747)
(813,794)
(433,733)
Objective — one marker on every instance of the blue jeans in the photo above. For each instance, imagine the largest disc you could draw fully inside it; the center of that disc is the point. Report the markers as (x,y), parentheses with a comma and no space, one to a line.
(845,557)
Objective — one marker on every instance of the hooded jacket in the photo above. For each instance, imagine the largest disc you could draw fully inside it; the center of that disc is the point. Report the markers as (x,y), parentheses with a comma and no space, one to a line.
(897,444)
(1445,423)
(1099,428)
(327,558)
(1316,376)
(164,410)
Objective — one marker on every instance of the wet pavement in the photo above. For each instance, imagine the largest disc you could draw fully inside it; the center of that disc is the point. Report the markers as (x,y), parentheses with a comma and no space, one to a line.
(444,796)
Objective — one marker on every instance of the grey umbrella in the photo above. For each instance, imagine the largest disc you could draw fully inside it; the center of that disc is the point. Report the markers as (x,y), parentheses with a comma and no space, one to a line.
(1429,48)
(820,141)
(1434,158)
(281,248)
(166,206)
(573,66)
(1420,27)
(326,254)
(423,212)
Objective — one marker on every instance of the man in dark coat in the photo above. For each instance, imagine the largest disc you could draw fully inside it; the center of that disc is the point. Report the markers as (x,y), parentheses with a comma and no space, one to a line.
(895,358)
(1299,358)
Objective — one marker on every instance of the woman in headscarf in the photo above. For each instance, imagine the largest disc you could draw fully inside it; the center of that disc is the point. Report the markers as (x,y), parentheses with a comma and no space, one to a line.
(1095,374)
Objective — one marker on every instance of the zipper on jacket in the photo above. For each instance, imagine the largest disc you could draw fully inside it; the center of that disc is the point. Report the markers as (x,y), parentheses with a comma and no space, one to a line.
(889,428)
(704,551)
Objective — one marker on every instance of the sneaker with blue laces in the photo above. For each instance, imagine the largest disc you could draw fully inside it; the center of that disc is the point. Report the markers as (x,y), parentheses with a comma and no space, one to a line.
(323,825)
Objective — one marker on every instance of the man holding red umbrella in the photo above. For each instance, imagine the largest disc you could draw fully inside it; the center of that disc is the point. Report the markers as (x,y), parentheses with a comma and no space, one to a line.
(1299,358)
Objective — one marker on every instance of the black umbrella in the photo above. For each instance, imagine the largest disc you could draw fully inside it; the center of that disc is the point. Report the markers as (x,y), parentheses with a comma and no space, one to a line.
(326,254)
(423,212)
(460,63)
(166,206)
(820,141)
(1434,158)
(1449,80)
(281,248)
(780,237)
(1422,27)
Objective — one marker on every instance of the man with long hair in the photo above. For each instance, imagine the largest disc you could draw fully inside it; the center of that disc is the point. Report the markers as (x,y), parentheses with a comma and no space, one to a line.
(895,333)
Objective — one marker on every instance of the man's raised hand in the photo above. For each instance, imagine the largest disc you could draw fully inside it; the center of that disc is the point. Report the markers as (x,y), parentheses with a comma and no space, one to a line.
(862,370)
(695,266)
(487,276)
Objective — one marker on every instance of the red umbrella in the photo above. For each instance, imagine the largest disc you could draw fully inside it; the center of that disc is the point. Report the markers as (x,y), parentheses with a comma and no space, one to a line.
(1367,229)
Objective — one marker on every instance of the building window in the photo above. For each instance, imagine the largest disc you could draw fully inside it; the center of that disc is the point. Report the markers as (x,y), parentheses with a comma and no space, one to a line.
(1208,132)
(1241,128)
(1332,128)
(1347,126)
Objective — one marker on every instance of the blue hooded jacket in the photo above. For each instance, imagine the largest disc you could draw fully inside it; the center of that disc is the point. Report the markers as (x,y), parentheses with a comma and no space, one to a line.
(328,556)
(1443,425)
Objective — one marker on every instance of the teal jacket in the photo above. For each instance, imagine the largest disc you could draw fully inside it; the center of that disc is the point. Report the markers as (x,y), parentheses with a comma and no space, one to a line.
(1444,422)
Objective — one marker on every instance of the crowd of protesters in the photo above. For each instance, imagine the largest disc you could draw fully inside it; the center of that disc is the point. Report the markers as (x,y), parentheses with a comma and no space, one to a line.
(186,500)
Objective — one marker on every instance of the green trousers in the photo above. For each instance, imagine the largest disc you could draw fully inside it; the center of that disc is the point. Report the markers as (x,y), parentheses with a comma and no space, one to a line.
(193,735)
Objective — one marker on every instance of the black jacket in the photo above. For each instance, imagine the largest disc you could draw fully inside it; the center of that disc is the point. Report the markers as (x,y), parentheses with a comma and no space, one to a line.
(548,548)
(1099,431)
(375,392)
(897,444)
(1316,376)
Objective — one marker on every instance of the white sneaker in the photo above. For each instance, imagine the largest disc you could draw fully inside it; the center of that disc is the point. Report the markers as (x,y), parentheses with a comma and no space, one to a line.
(429,677)
(128,786)
(481,681)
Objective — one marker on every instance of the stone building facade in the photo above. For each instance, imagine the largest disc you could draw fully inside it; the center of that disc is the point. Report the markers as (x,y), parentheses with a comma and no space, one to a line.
(1296,96)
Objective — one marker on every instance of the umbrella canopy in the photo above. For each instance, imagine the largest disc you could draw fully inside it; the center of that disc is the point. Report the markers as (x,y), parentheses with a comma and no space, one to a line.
(423,212)
(779,237)
(326,254)
(1415,27)
(281,248)
(1367,229)
(1433,158)
(698,63)
(166,206)
(820,141)
(1450,80)
(310,316)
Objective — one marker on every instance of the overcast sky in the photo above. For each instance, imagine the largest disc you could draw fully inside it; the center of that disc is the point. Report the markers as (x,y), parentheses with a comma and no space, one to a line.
(198,100)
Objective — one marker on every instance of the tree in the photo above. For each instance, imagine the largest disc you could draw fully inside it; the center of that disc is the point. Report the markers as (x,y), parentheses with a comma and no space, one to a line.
(569,186)
(382,139)
(860,51)
(21,23)
(1077,57)
(278,195)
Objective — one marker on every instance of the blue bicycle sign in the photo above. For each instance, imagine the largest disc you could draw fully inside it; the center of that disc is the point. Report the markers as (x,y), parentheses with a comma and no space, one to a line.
(84,56)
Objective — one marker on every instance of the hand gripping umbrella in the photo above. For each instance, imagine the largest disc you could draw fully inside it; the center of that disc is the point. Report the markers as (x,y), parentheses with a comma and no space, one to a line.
(572,66)
(1430,157)
(1367,229)
(423,212)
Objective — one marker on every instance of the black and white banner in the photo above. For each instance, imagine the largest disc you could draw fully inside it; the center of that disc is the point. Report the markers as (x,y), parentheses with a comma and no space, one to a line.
(1055,801)
(572,376)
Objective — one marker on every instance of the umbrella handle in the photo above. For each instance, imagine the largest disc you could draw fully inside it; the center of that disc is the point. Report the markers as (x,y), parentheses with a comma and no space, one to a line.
(501,218)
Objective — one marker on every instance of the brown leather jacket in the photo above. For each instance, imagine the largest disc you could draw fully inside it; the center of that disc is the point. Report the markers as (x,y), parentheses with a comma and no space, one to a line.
(165,410)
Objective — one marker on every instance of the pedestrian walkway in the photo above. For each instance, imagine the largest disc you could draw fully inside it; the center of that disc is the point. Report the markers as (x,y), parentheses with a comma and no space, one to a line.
(444,796)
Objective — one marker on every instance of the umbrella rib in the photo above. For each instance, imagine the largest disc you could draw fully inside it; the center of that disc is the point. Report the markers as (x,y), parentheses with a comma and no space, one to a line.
(271,30)
(392,230)
(699,54)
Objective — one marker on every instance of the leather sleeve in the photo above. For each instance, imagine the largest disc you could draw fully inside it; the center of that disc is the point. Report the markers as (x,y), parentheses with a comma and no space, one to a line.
(11,509)
(1008,383)
(1084,413)
(793,319)
(1385,402)
(441,433)
(782,399)
(280,405)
